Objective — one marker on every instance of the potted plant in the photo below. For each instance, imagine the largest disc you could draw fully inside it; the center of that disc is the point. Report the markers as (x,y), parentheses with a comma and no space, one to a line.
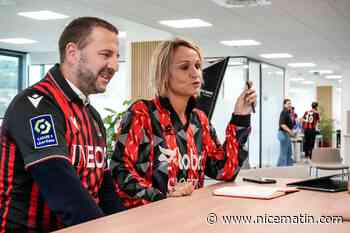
(326,128)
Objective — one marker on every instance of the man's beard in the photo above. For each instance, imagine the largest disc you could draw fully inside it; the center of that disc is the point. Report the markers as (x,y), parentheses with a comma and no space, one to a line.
(88,80)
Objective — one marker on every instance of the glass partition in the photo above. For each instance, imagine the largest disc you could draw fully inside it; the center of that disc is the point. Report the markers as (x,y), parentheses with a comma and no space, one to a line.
(268,81)
(272,95)
(232,85)
(254,138)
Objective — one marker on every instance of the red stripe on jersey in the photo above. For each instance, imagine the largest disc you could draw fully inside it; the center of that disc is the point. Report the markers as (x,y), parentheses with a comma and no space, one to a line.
(33,206)
(83,173)
(2,167)
(10,185)
(87,119)
(38,87)
(46,215)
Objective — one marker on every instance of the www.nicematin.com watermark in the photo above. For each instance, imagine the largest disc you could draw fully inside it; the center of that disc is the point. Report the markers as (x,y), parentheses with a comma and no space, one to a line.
(213,218)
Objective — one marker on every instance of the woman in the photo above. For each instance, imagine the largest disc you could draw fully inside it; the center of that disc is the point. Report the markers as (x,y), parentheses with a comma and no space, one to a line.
(166,145)
(284,134)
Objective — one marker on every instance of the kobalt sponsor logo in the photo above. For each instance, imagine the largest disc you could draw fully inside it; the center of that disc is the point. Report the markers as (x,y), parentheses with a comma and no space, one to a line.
(185,161)
(194,162)
(92,156)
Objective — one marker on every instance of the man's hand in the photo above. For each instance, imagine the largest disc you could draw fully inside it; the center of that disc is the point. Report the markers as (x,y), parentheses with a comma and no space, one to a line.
(245,101)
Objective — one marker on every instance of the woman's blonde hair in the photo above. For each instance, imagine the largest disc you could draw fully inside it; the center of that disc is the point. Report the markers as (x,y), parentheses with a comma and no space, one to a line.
(161,59)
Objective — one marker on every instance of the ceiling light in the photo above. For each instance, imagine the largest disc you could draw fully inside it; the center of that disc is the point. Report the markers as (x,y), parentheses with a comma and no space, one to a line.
(302,64)
(279,72)
(240,42)
(18,41)
(334,77)
(276,55)
(42,15)
(321,71)
(241,3)
(296,79)
(185,23)
(306,82)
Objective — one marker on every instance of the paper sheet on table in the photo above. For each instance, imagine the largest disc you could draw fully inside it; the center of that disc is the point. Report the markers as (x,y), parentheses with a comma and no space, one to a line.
(254,191)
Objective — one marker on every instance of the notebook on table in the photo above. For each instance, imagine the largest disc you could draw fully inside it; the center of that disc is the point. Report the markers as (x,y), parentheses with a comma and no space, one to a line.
(333,183)
(254,191)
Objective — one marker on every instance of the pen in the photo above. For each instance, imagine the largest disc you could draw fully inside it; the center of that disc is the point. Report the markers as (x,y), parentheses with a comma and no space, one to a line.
(249,86)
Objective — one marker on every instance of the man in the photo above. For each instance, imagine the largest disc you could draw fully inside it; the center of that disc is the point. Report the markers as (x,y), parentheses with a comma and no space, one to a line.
(309,121)
(284,134)
(53,170)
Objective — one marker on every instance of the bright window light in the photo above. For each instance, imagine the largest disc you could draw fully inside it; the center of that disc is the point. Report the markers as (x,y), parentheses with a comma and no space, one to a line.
(294,90)
(296,79)
(235,63)
(122,34)
(18,41)
(42,15)
(302,64)
(321,71)
(334,77)
(240,42)
(276,55)
(186,23)
(306,82)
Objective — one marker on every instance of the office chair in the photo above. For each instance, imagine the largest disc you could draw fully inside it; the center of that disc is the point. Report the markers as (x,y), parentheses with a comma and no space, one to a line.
(327,158)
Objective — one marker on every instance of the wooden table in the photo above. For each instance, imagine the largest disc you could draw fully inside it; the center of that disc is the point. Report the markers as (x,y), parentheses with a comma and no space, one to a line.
(189,214)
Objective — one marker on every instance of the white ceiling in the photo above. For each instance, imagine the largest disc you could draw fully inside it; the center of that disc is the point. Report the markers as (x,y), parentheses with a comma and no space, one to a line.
(312,30)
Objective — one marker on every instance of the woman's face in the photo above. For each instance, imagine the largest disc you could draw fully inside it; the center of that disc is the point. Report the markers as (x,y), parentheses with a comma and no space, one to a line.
(185,73)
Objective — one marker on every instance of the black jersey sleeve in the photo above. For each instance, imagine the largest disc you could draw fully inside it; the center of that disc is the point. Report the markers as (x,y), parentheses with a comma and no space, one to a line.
(62,189)
(38,126)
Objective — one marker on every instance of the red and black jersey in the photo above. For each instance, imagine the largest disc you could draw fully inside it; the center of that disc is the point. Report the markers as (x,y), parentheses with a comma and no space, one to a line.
(155,150)
(46,121)
(310,119)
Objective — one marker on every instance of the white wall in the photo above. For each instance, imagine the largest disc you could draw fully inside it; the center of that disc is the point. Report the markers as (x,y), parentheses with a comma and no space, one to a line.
(345,149)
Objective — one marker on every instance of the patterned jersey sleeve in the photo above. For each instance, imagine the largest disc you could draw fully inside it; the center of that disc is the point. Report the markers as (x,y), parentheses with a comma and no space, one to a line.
(131,162)
(224,160)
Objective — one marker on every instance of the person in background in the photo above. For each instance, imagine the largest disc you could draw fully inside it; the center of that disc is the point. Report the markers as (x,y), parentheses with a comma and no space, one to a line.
(294,117)
(53,143)
(284,134)
(167,145)
(309,121)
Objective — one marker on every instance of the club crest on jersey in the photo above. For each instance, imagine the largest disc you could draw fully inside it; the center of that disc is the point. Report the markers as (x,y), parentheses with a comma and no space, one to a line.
(43,131)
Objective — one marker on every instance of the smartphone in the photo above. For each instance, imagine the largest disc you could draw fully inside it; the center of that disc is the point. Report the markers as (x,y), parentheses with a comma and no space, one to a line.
(259,180)
(249,86)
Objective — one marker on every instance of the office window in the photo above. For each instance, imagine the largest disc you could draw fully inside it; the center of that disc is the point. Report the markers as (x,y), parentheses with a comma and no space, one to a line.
(37,72)
(12,70)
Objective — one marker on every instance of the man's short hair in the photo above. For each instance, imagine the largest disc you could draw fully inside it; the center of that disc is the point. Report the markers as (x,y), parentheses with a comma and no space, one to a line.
(78,32)
(314,105)
(285,101)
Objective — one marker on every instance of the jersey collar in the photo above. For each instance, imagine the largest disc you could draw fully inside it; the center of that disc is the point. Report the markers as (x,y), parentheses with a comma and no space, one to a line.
(70,90)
